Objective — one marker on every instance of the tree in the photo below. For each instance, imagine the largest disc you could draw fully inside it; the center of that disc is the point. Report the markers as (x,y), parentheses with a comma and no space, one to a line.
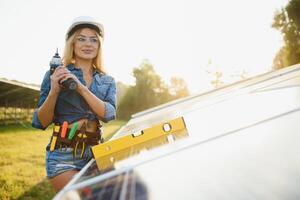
(287,21)
(149,91)
(178,88)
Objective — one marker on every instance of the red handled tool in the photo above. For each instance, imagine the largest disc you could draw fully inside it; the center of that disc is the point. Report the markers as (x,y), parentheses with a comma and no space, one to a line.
(63,132)
(64,128)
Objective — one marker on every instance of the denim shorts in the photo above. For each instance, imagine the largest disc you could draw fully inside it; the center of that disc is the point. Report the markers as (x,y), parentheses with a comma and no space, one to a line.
(62,160)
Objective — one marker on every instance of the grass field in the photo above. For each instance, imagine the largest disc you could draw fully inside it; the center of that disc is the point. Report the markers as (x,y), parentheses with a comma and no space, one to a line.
(22,161)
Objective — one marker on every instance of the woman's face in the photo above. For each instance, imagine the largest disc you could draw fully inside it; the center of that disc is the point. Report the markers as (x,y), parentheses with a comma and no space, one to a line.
(86,44)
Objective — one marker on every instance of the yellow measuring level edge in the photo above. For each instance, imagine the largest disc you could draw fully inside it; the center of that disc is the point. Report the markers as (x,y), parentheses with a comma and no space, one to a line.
(130,144)
(108,160)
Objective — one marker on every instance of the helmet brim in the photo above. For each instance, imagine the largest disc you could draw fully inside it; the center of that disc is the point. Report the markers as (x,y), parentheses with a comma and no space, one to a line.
(79,25)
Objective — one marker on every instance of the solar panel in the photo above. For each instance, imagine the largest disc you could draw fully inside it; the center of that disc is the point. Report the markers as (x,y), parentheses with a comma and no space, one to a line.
(241,143)
(18,94)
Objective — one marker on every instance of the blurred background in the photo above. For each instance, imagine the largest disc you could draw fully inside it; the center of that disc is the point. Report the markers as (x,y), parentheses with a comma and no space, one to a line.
(164,50)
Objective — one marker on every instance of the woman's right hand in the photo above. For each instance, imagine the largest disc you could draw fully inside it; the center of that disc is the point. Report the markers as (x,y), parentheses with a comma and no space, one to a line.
(59,73)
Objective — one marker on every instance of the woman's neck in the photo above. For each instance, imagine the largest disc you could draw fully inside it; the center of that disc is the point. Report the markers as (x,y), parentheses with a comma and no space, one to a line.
(85,65)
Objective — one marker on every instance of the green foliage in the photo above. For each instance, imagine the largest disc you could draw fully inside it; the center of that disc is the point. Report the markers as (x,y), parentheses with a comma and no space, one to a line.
(287,21)
(149,91)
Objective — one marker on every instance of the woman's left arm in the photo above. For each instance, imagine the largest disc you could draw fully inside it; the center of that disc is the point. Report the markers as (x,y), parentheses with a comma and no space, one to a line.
(96,104)
(105,109)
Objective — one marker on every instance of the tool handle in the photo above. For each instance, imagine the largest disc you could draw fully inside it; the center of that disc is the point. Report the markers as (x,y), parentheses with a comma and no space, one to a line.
(56,128)
(53,143)
(64,129)
(73,130)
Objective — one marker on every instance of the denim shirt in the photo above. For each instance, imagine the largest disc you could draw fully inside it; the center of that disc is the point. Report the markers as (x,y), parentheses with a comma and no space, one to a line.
(71,106)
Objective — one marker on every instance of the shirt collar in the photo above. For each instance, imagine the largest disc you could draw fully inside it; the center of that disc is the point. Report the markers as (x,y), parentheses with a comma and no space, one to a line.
(72,67)
(96,71)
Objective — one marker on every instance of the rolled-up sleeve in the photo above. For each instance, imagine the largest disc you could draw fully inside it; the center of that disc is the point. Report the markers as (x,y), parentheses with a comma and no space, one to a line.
(45,88)
(110,102)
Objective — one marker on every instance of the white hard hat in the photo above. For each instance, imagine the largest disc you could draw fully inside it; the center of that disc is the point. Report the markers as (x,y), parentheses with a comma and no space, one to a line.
(85,22)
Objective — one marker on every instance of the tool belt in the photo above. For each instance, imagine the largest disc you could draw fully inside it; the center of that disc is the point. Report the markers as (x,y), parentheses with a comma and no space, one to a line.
(80,139)
(89,138)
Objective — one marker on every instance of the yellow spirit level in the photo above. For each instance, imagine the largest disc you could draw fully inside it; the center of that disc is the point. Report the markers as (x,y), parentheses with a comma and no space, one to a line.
(106,154)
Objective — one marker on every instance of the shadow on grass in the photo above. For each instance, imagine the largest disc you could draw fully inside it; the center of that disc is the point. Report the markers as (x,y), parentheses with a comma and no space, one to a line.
(43,191)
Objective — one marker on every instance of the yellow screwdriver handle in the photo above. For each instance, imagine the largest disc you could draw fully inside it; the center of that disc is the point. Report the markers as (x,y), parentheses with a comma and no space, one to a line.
(54,137)
(53,143)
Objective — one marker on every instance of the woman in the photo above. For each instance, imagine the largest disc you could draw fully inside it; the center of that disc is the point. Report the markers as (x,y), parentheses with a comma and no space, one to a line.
(94,99)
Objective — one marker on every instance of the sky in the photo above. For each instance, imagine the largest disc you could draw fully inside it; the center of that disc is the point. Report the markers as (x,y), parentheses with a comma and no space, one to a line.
(190,39)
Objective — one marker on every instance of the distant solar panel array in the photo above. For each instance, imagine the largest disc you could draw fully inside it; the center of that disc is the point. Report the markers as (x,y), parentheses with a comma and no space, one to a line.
(17,101)
(18,94)
(240,142)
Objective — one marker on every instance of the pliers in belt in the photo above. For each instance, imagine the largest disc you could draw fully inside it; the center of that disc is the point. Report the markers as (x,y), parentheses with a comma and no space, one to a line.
(80,138)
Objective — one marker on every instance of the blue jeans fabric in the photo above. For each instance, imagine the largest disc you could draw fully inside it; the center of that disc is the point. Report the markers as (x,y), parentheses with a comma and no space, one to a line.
(62,160)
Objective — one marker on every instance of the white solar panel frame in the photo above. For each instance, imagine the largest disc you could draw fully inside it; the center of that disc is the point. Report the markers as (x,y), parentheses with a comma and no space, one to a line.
(260,83)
